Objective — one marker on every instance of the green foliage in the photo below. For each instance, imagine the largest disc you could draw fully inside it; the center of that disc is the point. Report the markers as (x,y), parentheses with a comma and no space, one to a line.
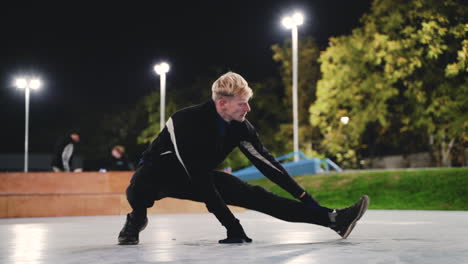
(309,74)
(435,189)
(236,160)
(268,112)
(151,104)
(118,126)
(403,74)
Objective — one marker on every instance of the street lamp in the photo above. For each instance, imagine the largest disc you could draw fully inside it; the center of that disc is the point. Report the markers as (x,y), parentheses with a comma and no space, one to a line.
(161,69)
(344,120)
(292,22)
(27,84)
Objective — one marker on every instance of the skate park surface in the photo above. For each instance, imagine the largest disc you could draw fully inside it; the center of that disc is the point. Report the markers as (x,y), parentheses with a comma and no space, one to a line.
(381,236)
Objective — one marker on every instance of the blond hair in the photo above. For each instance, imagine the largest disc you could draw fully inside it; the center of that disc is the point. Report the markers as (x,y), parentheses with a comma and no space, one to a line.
(119,148)
(230,84)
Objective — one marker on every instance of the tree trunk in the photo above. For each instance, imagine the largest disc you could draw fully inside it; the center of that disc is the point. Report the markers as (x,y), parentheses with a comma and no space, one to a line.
(446,153)
(434,152)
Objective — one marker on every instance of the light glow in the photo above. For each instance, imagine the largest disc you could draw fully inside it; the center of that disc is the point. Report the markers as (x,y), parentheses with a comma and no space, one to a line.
(35,84)
(287,22)
(298,19)
(28,83)
(21,83)
(161,68)
(295,20)
(344,120)
(28,243)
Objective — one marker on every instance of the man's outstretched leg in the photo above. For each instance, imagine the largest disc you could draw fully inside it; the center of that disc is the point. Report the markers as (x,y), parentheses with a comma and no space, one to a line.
(237,192)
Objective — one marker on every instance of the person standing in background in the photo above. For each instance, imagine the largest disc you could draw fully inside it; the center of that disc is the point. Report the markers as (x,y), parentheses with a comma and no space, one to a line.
(63,159)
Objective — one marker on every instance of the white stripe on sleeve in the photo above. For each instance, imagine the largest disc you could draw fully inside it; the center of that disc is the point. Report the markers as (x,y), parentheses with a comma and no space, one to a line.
(170,128)
(250,148)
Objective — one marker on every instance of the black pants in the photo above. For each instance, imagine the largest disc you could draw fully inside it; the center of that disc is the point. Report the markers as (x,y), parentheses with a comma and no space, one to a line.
(168,179)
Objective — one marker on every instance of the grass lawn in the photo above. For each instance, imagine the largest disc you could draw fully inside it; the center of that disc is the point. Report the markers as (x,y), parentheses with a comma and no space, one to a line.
(424,189)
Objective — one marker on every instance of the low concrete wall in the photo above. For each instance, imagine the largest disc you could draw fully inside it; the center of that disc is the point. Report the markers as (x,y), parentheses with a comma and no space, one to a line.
(40,194)
(416,160)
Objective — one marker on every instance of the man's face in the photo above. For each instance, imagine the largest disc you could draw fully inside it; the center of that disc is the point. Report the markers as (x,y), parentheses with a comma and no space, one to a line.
(116,154)
(75,137)
(236,108)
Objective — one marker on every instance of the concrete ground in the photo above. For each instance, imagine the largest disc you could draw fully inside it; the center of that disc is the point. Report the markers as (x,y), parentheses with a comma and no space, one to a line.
(380,237)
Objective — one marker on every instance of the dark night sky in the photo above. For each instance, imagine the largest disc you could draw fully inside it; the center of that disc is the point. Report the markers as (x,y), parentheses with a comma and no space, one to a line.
(99,56)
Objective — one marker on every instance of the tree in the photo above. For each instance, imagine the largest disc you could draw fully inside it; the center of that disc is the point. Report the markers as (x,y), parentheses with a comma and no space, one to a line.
(151,105)
(401,75)
(309,74)
(118,126)
(268,113)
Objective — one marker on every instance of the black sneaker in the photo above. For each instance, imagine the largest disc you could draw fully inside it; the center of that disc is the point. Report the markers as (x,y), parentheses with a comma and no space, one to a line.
(235,234)
(129,235)
(238,240)
(344,220)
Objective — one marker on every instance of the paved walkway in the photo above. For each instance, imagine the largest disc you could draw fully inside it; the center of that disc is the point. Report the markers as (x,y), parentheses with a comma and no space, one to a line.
(380,237)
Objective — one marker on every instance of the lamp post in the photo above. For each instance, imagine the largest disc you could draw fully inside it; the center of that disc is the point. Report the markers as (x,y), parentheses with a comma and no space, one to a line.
(292,22)
(161,69)
(27,84)
(344,120)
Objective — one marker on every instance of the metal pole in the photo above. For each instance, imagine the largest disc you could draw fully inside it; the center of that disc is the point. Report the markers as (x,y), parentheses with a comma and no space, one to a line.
(163,100)
(294,95)
(26,130)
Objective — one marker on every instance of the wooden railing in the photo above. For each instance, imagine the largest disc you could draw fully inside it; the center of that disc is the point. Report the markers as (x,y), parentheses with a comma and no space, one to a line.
(45,194)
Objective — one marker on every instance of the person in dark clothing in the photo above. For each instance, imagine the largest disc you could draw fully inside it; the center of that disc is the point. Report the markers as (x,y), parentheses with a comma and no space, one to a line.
(181,163)
(119,161)
(63,159)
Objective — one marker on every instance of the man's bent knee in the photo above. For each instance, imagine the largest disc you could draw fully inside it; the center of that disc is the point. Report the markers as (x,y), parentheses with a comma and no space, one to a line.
(139,197)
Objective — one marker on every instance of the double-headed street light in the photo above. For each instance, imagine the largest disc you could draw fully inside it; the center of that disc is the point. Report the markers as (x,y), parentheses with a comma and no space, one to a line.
(161,69)
(292,22)
(27,84)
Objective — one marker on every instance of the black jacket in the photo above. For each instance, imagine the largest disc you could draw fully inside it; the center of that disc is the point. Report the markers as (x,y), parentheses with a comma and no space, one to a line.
(194,136)
(122,164)
(64,155)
